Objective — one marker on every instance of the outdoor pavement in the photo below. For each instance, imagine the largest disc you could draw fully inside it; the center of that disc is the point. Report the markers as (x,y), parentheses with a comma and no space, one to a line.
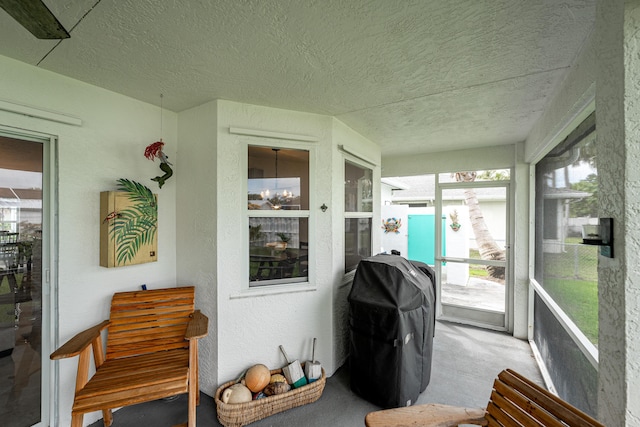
(478,293)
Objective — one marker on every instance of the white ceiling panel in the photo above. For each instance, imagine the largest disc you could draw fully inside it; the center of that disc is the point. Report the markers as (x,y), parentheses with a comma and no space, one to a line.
(413,76)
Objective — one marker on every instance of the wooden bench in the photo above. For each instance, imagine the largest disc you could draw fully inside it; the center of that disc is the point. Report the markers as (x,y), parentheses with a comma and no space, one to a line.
(514,401)
(151,353)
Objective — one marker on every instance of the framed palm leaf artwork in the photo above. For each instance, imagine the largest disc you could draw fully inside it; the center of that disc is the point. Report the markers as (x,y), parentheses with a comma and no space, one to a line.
(129,225)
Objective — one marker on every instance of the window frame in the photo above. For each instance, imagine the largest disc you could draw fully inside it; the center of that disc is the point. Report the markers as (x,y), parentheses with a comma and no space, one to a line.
(536,290)
(355,215)
(289,284)
(13,224)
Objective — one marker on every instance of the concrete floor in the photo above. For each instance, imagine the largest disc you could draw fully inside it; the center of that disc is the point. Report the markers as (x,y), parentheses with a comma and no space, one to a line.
(465,362)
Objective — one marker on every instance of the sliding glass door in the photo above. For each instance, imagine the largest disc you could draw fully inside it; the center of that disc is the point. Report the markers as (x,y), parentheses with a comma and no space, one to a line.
(21,282)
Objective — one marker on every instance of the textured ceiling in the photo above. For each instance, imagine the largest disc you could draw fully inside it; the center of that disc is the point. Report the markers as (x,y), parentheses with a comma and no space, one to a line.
(413,76)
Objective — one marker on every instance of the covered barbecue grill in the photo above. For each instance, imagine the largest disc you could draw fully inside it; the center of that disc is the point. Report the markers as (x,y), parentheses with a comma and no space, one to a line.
(391,322)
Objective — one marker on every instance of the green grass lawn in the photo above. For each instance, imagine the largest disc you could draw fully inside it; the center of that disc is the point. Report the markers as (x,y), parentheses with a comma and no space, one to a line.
(476,270)
(579,300)
(571,278)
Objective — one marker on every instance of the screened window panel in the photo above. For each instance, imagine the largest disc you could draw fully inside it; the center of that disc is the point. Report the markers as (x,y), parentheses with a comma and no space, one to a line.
(575,379)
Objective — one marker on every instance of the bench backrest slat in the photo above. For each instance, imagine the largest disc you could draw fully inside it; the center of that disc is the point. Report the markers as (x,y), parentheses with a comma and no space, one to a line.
(516,401)
(521,403)
(149,321)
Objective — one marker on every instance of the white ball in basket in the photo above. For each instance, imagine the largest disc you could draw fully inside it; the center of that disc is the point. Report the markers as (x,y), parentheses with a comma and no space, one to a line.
(237,393)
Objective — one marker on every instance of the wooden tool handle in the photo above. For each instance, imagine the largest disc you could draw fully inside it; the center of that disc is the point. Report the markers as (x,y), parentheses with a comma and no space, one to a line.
(285,354)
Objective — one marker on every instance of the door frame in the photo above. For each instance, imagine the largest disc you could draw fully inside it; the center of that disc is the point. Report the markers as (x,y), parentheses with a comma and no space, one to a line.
(477,317)
(49,371)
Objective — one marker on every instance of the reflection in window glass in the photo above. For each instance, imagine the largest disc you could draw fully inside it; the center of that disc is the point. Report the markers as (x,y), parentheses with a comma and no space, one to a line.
(278,179)
(8,218)
(357,241)
(278,250)
(21,290)
(358,188)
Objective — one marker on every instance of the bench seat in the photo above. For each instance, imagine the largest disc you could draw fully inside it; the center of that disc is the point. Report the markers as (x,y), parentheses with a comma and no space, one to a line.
(134,380)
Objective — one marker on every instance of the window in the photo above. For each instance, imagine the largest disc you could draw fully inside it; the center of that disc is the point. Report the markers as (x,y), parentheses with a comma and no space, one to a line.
(566,271)
(358,206)
(8,216)
(278,213)
(566,200)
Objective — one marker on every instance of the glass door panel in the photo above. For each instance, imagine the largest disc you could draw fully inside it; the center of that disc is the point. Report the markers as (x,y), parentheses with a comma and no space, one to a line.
(478,292)
(21,221)
(473,263)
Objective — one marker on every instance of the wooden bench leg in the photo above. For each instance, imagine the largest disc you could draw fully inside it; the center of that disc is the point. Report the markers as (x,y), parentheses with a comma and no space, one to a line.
(192,406)
(76,420)
(194,390)
(196,378)
(107,416)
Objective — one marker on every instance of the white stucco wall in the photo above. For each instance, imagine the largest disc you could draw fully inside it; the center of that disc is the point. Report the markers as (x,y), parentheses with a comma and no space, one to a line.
(626,286)
(618,119)
(196,206)
(493,212)
(109,145)
(252,323)
(520,233)
(498,157)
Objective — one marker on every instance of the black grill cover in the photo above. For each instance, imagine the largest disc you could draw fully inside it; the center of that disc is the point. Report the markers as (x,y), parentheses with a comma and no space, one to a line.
(391,322)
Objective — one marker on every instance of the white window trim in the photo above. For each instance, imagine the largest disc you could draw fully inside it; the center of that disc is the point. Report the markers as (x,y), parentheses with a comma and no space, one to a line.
(587,348)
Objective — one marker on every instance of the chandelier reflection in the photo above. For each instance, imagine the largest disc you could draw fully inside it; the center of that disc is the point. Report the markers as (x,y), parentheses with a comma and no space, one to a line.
(277,200)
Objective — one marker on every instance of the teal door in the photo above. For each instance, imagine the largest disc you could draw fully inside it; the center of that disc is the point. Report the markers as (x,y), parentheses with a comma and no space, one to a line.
(422,238)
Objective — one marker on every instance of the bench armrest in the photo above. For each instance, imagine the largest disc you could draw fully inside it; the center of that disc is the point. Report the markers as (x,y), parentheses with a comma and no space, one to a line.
(198,326)
(426,415)
(82,340)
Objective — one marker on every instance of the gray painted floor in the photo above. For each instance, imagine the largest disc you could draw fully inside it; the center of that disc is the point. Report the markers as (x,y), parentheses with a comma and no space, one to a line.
(465,362)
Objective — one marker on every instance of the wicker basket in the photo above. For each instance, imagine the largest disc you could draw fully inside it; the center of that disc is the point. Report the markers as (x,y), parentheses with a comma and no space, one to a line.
(240,414)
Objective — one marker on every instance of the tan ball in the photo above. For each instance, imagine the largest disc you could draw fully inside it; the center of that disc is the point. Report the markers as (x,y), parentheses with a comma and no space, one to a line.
(277,378)
(257,377)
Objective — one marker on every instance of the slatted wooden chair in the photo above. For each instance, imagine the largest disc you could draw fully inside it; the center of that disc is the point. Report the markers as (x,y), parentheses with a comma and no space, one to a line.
(151,353)
(515,401)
